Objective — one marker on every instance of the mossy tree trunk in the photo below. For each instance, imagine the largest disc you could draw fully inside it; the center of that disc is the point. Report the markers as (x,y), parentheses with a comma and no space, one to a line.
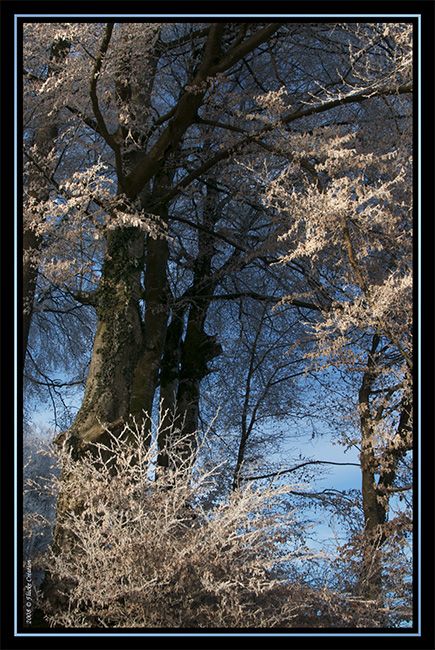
(118,340)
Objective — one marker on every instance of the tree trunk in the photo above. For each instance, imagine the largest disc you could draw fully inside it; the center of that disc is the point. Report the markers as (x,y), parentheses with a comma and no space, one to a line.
(374,508)
(376,493)
(145,378)
(185,364)
(117,346)
(118,340)
(169,380)
(198,350)
(375,513)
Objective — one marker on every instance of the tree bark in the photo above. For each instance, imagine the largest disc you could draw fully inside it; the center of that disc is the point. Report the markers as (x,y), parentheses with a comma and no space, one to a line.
(198,350)
(169,380)
(185,363)
(145,377)
(374,507)
(118,340)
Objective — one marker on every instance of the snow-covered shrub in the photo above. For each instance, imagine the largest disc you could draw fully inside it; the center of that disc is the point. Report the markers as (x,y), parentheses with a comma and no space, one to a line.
(133,550)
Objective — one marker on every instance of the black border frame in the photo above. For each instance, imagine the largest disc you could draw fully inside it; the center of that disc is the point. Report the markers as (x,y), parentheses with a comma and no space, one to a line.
(426,9)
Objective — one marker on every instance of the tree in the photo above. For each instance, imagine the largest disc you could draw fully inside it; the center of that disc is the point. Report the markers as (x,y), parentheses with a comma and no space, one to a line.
(352,227)
(42,135)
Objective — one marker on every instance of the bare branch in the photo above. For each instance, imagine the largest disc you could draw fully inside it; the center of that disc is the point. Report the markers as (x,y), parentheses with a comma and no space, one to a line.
(296,467)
